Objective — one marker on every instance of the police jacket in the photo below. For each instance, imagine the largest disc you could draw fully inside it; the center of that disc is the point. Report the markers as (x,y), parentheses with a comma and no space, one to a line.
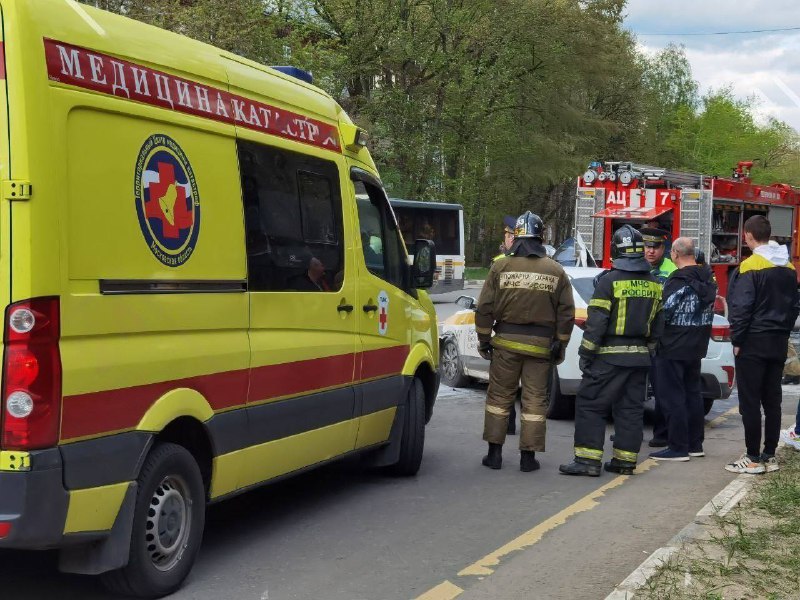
(624,318)
(688,298)
(527,301)
(762,295)
(663,270)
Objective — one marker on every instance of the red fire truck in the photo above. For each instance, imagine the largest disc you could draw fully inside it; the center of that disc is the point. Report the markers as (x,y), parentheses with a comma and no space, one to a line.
(710,210)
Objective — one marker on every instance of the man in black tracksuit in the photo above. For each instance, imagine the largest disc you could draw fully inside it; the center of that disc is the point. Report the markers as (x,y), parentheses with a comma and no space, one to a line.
(623,325)
(689,295)
(763,306)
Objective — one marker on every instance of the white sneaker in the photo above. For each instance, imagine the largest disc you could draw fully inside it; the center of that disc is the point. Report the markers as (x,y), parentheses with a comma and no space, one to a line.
(746,465)
(771,464)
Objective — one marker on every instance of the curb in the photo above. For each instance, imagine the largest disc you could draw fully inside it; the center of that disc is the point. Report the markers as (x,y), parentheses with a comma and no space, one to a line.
(719,506)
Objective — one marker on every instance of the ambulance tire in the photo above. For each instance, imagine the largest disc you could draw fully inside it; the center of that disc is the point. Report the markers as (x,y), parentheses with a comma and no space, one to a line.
(707,404)
(412,442)
(170,478)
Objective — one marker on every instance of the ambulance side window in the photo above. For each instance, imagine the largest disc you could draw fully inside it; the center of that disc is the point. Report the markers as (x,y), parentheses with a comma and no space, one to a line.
(380,237)
(293,220)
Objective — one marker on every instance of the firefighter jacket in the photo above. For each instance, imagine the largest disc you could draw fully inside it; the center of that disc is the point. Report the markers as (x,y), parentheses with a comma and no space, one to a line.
(624,319)
(762,295)
(527,301)
(663,270)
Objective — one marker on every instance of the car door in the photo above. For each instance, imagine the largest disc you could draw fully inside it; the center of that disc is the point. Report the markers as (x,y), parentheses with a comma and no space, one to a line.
(386,310)
(303,339)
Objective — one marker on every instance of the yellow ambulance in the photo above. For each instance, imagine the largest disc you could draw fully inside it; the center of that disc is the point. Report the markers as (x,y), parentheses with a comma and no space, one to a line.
(190,308)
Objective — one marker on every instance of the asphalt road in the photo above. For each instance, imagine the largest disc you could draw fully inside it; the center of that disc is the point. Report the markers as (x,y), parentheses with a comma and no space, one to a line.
(344,533)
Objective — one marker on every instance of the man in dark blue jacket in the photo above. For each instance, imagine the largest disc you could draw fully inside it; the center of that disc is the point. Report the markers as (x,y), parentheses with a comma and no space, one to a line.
(689,295)
(763,306)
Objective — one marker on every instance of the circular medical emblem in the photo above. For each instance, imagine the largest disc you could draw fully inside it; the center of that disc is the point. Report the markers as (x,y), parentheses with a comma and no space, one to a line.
(167,201)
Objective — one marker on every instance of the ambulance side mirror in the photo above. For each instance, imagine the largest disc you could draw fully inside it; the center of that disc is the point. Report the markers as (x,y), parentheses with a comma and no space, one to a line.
(424,265)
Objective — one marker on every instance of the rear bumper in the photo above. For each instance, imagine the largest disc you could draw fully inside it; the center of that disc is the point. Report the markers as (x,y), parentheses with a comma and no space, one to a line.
(34,503)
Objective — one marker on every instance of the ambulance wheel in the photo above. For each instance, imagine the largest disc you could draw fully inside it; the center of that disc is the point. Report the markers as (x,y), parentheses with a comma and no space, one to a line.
(561,407)
(707,404)
(168,522)
(412,441)
(451,365)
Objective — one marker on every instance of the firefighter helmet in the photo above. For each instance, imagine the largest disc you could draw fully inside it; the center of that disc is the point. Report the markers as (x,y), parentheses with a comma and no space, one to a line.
(529,225)
(627,250)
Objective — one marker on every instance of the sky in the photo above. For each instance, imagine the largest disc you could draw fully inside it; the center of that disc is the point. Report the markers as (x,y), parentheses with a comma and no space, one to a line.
(765,65)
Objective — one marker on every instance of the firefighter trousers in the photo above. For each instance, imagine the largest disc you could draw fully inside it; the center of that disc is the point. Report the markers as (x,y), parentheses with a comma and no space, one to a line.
(605,390)
(507,370)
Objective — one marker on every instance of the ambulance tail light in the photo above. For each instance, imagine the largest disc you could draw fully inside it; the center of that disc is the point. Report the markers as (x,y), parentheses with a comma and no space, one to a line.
(580,322)
(31,400)
(721,333)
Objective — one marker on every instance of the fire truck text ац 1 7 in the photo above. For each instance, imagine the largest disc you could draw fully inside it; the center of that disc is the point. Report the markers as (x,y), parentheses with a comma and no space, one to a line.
(710,210)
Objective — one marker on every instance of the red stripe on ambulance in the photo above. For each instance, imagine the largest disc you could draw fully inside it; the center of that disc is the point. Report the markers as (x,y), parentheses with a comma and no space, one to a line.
(114,410)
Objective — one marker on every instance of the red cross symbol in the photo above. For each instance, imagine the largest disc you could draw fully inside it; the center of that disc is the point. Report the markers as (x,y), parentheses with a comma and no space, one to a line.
(383,318)
(168,203)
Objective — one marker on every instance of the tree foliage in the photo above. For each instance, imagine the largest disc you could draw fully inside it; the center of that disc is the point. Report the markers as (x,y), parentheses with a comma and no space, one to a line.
(493,104)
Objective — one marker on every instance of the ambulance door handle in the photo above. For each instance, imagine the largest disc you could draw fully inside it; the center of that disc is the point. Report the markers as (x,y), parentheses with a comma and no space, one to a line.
(348,308)
(370,307)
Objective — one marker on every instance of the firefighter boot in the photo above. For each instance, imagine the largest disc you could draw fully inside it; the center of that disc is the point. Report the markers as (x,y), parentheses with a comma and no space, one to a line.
(582,466)
(527,461)
(494,460)
(623,467)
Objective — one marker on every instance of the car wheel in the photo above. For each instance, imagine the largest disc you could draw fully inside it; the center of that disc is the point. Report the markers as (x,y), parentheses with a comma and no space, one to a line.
(412,441)
(451,365)
(707,404)
(560,407)
(168,522)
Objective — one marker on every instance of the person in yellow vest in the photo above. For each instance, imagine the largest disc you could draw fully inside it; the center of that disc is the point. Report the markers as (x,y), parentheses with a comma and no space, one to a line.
(661,267)
(509,223)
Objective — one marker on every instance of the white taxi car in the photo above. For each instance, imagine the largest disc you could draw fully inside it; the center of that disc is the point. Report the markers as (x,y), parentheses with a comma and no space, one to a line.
(461,362)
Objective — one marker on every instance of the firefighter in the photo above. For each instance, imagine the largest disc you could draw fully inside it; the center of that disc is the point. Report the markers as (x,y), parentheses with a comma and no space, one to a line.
(622,327)
(527,301)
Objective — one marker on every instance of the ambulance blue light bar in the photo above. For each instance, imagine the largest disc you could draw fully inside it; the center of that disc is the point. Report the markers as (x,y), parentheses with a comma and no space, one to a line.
(296,73)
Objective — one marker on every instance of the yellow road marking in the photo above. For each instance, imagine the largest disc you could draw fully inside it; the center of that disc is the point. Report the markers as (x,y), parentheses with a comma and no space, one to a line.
(443,591)
(717,421)
(487,564)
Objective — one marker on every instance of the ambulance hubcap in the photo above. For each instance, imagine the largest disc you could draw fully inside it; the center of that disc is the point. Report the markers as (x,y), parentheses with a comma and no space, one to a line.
(450,361)
(168,523)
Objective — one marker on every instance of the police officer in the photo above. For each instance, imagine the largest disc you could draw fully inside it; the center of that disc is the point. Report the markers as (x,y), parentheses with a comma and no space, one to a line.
(654,245)
(661,267)
(622,327)
(509,223)
(527,301)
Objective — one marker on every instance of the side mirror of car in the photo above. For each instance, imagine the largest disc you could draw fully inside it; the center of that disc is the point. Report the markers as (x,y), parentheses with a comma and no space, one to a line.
(467,302)
(424,265)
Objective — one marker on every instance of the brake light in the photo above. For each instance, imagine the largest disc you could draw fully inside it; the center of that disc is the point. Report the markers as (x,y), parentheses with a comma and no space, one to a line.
(5,529)
(721,333)
(731,371)
(580,322)
(31,400)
